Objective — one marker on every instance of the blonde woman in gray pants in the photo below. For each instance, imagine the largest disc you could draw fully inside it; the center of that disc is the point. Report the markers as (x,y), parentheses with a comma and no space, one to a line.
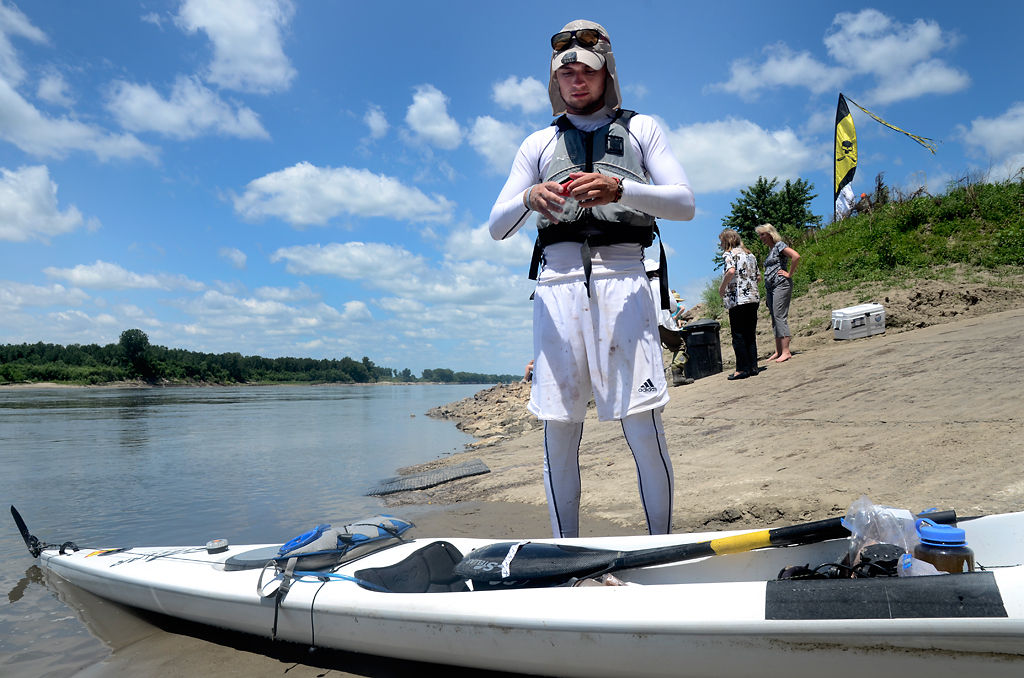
(779,268)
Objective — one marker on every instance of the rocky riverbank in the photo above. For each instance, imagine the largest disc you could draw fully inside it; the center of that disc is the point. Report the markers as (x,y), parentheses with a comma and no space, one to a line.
(494,414)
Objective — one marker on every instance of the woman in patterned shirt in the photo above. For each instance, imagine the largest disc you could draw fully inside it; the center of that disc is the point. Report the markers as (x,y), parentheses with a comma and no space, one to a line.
(740,296)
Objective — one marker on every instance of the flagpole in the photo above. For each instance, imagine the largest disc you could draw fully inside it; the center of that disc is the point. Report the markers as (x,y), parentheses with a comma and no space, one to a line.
(835,166)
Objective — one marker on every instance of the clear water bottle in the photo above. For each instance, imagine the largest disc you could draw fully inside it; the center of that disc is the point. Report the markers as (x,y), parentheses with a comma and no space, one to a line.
(944,546)
(570,207)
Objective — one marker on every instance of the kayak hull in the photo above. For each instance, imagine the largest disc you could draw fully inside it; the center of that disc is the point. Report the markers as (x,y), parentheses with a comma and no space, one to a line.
(717,616)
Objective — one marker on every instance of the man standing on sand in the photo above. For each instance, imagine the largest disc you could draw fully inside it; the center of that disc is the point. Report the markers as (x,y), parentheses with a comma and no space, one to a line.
(597,178)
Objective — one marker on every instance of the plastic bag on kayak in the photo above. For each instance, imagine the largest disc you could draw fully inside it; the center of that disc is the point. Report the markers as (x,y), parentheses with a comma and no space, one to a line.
(909,566)
(871,523)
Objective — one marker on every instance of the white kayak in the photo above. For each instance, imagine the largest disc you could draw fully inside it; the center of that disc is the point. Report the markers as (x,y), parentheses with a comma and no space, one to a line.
(712,615)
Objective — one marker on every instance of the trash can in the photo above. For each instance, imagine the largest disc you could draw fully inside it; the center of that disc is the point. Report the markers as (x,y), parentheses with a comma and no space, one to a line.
(703,348)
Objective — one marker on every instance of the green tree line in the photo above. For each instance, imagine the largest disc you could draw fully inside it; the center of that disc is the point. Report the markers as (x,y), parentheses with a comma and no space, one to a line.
(134,358)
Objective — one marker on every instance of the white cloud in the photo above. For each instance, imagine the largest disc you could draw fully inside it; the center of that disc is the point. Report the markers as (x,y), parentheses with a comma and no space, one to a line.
(24,126)
(496,141)
(268,319)
(15,295)
(54,89)
(428,118)
(477,243)
(998,136)
(107,276)
(730,154)
(637,90)
(871,42)
(356,310)
(465,286)
(781,67)
(28,206)
(528,94)
(376,121)
(821,121)
(301,292)
(191,110)
(34,133)
(305,194)
(1001,138)
(471,287)
(213,302)
(153,18)
(463,297)
(14,23)
(248,54)
(933,182)
(928,77)
(353,261)
(401,305)
(138,315)
(234,256)
(900,56)
(80,327)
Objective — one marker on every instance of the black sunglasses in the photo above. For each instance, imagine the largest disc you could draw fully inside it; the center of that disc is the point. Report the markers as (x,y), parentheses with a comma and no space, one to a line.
(585,37)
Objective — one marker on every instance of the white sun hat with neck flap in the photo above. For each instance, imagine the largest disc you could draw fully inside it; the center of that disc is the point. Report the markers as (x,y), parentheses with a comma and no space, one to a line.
(597,56)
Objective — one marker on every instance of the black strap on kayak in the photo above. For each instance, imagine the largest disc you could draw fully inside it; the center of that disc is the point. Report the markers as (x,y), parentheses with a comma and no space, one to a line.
(282,591)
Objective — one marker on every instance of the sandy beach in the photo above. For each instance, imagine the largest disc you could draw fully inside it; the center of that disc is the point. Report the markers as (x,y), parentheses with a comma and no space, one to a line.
(929,418)
(926,415)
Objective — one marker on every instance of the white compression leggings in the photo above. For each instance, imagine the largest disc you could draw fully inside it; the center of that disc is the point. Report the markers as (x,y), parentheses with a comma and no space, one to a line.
(645,436)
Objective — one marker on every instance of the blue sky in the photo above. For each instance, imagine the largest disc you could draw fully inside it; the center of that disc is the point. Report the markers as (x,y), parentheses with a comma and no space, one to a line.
(314,179)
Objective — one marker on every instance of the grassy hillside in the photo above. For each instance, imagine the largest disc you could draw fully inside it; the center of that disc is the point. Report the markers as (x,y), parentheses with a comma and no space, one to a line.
(927,259)
(974,225)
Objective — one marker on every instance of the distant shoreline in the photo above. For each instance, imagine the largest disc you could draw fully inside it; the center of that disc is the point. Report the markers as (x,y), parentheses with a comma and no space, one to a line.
(144,385)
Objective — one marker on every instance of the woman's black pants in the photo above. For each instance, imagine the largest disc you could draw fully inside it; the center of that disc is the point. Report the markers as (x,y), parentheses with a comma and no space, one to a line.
(743,321)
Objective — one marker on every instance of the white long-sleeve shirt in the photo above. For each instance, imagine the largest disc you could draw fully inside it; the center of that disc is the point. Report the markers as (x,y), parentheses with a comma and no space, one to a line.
(668,196)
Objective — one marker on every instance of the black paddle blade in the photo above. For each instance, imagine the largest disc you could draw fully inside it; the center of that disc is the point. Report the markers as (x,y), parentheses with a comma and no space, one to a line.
(538,564)
(33,545)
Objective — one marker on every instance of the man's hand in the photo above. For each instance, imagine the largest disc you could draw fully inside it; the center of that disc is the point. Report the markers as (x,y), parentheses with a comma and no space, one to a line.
(547,199)
(589,188)
(593,189)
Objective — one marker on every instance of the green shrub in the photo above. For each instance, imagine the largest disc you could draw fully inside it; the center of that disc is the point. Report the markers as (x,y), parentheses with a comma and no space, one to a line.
(712,300)
(1009,247)
(973,223)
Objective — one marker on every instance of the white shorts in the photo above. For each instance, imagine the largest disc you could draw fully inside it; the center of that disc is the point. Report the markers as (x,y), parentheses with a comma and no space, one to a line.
(606,345)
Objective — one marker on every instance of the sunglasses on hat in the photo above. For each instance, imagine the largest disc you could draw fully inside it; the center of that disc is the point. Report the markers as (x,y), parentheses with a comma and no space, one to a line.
(584,37)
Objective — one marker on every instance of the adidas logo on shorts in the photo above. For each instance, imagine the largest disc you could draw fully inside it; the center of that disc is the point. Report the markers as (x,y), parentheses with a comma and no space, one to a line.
(647,387)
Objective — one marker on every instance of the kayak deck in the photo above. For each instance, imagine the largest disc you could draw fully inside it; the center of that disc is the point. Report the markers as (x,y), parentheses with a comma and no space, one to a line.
(722,615)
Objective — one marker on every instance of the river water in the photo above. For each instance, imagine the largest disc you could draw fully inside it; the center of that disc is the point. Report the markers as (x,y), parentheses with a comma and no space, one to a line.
(183,465)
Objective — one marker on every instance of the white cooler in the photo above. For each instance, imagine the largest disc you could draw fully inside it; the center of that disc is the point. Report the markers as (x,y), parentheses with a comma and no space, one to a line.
(854,322)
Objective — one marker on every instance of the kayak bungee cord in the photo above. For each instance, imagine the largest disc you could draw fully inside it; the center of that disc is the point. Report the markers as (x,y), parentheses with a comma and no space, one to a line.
(325,578)
(312,618)
(343,577)
(289,576)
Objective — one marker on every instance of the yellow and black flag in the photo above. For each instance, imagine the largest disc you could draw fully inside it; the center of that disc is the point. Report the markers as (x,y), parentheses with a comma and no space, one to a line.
(845,159)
